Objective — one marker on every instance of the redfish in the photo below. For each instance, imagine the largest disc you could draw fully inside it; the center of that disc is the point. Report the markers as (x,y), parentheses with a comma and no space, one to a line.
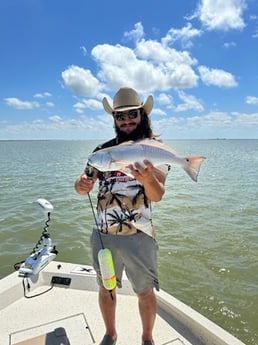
(120,156)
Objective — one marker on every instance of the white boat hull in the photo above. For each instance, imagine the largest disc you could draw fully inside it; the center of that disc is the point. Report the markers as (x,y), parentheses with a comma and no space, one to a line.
(74,309)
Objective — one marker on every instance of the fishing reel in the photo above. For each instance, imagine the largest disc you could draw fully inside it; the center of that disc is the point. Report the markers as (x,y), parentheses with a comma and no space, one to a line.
(40,258)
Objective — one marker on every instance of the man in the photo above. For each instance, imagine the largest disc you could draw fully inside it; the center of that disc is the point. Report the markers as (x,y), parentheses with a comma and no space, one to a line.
(123,219)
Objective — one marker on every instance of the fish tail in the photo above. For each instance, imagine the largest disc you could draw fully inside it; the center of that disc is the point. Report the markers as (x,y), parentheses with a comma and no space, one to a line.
(192,166)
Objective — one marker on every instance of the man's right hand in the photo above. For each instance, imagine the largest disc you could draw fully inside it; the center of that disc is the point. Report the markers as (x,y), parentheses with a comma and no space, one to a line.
(83,184)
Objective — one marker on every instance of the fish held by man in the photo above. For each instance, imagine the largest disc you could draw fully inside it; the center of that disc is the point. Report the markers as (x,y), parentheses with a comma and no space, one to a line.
(119,157)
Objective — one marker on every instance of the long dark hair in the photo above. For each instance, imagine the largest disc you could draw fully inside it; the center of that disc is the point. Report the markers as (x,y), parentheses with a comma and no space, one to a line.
(142,131)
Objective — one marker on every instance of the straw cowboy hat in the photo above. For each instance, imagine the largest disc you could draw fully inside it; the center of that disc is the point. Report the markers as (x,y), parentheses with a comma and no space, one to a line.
(126,99)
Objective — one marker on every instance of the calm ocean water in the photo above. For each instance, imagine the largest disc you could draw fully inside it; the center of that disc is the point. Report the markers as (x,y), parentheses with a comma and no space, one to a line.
(207,231)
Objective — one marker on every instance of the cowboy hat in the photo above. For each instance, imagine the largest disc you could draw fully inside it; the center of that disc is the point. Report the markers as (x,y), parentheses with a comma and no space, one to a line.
(126,99)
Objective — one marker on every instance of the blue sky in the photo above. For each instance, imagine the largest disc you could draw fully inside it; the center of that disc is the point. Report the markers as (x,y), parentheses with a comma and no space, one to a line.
(60,58)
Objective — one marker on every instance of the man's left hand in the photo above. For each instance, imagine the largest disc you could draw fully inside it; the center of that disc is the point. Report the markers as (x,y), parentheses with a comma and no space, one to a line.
(142,173)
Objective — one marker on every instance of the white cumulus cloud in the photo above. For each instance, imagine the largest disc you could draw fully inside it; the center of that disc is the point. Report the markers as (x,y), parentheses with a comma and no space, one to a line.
(184,35)
(80,81)
(222,14)
(42,95)
(217,77)
(19,104)
(251,100)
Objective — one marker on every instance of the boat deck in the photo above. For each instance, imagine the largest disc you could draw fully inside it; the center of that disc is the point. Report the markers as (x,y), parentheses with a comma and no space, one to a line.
(75,310)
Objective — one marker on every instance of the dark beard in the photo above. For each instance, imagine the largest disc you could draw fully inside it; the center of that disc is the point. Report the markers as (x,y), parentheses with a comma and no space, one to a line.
(136,134)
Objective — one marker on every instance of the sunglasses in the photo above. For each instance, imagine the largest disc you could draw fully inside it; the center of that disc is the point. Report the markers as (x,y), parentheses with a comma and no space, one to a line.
(121,116)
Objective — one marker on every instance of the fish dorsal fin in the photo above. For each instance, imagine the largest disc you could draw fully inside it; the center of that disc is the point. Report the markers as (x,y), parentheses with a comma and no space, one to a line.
(154,143)
(148,142)
(145,141)
(129,142)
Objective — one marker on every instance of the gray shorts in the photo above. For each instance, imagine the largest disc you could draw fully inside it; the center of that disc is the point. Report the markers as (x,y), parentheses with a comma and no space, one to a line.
(136,254)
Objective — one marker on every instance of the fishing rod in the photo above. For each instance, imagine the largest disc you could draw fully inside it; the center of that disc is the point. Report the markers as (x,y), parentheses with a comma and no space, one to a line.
(104,255)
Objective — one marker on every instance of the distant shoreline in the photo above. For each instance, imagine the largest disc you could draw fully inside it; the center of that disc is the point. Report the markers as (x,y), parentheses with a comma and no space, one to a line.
(101,139)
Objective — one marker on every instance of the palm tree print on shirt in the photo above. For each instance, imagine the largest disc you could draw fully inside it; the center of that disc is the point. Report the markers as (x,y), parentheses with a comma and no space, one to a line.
(120,210)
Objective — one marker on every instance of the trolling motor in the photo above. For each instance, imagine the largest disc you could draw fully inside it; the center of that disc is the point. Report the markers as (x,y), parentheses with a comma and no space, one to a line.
(39,258)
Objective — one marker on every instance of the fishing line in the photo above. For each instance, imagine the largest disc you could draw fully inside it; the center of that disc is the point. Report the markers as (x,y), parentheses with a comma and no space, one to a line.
(89,174)
(104,255)
(95,219)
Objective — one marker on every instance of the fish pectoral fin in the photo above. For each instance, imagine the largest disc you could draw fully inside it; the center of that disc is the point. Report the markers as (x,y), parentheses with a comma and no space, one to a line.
(127,171)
